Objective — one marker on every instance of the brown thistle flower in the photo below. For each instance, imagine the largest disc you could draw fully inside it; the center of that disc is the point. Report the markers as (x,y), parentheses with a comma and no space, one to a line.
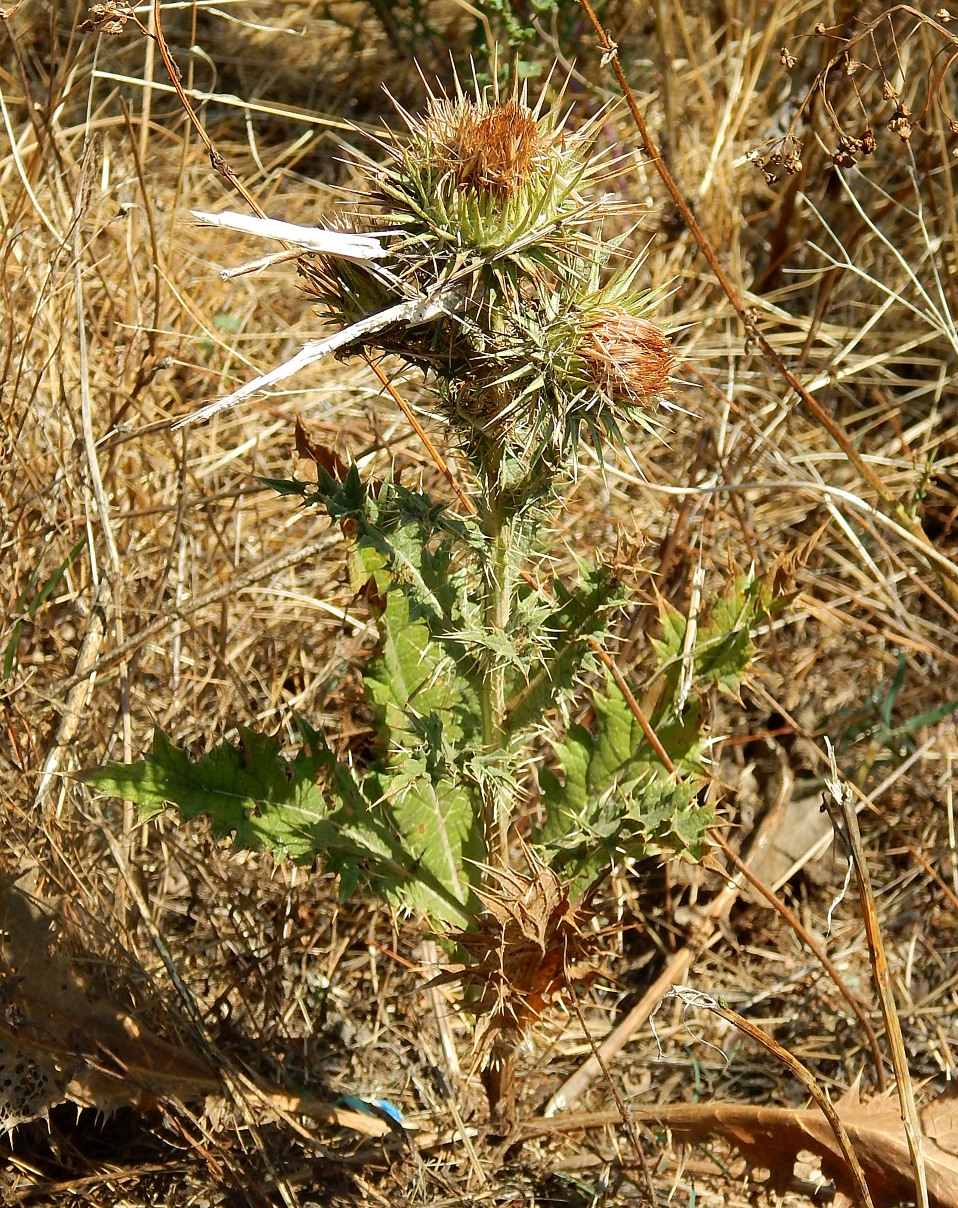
(629,359)
(489,149)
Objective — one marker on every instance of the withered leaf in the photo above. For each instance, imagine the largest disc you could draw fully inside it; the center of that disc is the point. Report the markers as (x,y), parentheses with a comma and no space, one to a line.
(771,1138)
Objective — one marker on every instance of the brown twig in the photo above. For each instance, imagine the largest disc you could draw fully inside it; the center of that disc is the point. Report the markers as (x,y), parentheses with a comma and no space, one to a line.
(814,947)
(438,460)
(216,159)
(625,1115)
(802,1073)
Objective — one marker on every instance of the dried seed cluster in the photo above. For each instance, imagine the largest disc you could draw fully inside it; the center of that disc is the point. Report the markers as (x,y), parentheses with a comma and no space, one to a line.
(884,58)
(532,946)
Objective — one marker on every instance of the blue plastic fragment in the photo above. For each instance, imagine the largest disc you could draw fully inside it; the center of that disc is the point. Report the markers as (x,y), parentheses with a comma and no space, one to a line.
(380,1108)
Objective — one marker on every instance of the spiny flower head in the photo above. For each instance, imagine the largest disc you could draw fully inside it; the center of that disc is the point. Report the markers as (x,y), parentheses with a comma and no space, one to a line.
(481,177)
(579,355)
(481,196)
(488,149)
(484,214)
(628,357)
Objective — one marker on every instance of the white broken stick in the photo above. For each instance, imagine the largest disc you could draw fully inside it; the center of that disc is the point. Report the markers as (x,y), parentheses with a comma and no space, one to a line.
(412,313)
(349,246)
(346,244)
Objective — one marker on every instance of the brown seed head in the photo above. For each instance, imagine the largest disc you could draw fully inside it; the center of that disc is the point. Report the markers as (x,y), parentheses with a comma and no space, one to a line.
(628,358)
(491,150)
(900,123)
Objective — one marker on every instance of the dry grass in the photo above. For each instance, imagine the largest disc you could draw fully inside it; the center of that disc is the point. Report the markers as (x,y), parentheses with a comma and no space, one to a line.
(193,599)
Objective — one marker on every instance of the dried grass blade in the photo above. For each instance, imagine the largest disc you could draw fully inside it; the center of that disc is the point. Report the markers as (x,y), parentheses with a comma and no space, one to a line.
(876,952)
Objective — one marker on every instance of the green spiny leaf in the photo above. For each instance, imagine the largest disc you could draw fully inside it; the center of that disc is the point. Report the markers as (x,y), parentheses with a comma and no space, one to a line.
(566,629)
(724,646)
(261,801)
(415,678)
(613,800)
(439,825)
(248,792)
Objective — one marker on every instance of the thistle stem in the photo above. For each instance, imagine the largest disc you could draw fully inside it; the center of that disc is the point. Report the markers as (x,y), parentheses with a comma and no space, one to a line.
(499,588)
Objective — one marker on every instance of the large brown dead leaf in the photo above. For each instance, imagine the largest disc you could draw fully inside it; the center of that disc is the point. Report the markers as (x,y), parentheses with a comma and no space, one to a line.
(772,1138)
(62,1039)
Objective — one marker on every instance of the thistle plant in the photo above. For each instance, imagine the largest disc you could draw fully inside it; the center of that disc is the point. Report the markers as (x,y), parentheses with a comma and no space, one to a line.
(477,256)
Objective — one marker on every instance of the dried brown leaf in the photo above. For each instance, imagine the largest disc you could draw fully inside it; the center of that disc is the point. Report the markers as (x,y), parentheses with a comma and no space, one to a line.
(311,447)
(61,1040)
(773,1137)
